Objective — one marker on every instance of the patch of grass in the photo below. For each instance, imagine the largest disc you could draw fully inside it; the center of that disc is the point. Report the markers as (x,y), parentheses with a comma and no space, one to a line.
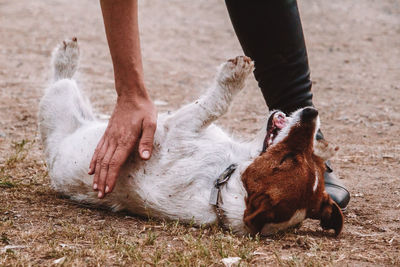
(4,239)
(150,239)
(53,254)
(22,177)
(6,184)
(20,152)
(157,256)
(131,251)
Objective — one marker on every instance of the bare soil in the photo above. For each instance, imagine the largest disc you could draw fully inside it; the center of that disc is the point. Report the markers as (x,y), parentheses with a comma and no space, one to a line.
(354,51)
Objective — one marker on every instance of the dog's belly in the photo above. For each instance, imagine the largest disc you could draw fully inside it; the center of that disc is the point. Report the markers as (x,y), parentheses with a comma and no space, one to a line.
(175,183)
(69,162)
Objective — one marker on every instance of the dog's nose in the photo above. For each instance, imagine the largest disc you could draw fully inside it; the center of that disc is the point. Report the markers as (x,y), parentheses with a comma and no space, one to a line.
(309,113)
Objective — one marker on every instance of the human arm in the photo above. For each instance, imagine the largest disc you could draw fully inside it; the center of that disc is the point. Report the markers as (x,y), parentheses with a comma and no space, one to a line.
(134,117)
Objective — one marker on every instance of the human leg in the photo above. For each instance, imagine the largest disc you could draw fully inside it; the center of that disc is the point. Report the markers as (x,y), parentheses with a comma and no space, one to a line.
(271,34)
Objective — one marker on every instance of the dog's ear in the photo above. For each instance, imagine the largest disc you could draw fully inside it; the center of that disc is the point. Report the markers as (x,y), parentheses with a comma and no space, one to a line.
(324,150)
(330,215)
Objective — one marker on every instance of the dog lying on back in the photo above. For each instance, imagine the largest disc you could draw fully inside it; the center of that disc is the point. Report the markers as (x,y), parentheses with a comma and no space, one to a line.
(268,184)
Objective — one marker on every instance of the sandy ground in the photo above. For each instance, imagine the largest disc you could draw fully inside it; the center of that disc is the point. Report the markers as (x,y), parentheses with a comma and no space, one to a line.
(354,51)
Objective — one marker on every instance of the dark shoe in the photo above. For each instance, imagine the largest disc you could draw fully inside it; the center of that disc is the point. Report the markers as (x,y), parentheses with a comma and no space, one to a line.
(335,188)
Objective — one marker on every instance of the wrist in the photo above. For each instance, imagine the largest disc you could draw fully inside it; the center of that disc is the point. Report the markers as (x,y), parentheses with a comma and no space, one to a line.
(132,90)
(129,81)
(134,97)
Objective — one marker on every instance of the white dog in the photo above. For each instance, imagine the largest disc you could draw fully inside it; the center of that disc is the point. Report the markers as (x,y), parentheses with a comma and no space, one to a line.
(276,180)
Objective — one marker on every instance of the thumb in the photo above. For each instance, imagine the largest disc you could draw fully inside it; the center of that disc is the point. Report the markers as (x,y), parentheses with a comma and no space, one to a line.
(146,141)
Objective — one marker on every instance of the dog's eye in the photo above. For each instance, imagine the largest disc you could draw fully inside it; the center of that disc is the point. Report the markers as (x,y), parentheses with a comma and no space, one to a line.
(289,155)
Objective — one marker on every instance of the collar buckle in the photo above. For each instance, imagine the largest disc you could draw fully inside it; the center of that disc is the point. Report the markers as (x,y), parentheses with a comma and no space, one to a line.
(224,177)
(221,180)
(215,191)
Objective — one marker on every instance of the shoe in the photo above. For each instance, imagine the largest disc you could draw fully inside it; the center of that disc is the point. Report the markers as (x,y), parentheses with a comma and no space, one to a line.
(335,188)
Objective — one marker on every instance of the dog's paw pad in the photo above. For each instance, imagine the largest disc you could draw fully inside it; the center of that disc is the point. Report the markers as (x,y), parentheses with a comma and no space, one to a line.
(65,58)
(69,44)
(241,64)
(240,59)
(236,69)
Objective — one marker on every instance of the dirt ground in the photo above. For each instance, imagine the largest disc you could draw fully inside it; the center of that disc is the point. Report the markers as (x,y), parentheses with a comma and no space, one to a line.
(354,51)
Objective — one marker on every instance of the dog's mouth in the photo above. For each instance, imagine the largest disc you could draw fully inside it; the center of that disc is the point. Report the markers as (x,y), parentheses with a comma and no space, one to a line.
(276,122)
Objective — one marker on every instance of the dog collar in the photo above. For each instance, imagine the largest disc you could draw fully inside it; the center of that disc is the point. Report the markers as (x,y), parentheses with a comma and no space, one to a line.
(215,196)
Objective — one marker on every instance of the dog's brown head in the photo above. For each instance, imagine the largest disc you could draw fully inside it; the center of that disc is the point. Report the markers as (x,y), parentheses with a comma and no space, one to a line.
(285,184)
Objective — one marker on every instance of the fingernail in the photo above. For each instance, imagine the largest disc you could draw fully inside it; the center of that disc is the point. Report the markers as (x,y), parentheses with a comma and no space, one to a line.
(146,154)
(107,189)
(95,186)
(89,171)
(100,194)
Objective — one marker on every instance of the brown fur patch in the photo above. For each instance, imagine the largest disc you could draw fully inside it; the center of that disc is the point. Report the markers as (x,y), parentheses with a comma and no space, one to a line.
(280,181)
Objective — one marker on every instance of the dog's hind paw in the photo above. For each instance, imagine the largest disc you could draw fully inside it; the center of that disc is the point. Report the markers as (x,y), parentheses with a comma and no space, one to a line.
(65,59)
(234,71)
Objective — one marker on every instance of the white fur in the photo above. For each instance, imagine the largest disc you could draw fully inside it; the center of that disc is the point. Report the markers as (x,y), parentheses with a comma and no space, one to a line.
(315,186)
(189,150)
(65,59)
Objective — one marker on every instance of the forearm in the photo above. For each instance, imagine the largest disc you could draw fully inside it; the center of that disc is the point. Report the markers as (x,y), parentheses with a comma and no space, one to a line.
(134,117)
(122,30)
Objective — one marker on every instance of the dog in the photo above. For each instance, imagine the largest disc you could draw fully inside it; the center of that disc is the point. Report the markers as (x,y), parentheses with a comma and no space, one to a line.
(197,172)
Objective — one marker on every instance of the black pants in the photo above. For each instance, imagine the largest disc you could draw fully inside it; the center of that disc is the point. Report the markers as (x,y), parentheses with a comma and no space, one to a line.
(270,33)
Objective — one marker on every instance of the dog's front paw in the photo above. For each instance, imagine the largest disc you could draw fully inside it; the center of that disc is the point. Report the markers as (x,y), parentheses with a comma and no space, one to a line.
(65,58)
(234,71)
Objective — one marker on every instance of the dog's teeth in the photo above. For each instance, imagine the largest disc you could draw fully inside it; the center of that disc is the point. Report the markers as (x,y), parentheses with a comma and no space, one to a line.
(270,139)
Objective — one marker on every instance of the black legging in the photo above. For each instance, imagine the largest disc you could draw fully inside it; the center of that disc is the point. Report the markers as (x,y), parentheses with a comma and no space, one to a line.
(270,33)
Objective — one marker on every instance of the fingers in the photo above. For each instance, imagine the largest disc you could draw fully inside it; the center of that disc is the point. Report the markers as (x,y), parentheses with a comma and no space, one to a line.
(92,166)
(103,173)
(146,141)
(99,160)
(120,155)
(109,159)
(116,145)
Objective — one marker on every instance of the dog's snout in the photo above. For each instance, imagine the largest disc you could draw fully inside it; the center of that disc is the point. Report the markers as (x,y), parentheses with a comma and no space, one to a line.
(309,113)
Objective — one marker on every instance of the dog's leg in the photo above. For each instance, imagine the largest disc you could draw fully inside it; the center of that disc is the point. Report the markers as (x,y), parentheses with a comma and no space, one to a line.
(63,108)
(65,59)
(229,81)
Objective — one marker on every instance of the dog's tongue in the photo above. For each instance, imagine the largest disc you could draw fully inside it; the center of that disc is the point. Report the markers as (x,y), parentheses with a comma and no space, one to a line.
(276,122)
(279,120)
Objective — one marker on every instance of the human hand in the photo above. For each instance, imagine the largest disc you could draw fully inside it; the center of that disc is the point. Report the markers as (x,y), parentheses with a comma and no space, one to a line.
(132,121)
